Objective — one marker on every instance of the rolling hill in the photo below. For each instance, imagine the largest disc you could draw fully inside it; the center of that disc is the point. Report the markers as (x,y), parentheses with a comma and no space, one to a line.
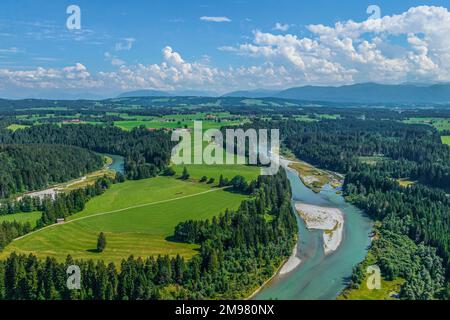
(144,93)
(371,93)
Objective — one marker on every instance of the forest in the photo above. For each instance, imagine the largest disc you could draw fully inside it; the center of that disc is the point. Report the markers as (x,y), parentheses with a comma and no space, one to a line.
(30,167)
(146,153)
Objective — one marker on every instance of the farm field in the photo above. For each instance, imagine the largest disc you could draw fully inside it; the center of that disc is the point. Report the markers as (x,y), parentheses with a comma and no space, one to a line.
(372,161)
(389,290)
(31,217)
(15,127)
(446,140)
(406,183)
(161,124)
(137,218)
(439,123)
(214,171)
(316,117)
(210,121)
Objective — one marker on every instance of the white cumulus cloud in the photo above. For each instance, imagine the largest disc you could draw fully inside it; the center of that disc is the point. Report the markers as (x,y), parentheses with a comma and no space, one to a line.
(125,45)
(372,50)
(215,19)
(281,27)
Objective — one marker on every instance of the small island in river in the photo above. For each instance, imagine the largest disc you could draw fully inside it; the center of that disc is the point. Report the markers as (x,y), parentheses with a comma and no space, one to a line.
(330,220)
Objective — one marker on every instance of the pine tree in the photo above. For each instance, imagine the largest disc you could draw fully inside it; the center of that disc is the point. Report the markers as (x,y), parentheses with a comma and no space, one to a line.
(101,242)
(185,174)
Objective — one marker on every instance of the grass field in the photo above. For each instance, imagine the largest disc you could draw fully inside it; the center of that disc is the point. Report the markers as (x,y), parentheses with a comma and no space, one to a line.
(316,117)
(162,124)
(446,140)
(388,290)
(175,121)
(31,217)
(439,123)
(406,183)
(15,127)
(214,171)
(313,177)
(137,218)
(372,161)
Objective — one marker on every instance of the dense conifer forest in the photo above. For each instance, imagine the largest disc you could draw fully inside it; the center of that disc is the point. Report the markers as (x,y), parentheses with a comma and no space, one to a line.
(30,167)
(146,153)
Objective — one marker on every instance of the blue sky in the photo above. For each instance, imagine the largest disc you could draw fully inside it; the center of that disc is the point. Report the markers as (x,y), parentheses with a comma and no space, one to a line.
(125,45)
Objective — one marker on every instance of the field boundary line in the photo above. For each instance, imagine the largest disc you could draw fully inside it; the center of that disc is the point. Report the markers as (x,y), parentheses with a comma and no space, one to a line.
(119,210)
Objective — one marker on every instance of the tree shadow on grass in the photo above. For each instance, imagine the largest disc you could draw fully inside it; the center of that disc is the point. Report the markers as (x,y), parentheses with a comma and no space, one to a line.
(93,251)
(173,240)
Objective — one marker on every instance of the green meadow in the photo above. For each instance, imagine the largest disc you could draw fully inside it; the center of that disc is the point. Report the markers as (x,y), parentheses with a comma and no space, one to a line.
(166,124)
(446,140)
(215,171)
(137,217)
(439,123)
(229,171)
(389,289)
(15,127)
(31,217)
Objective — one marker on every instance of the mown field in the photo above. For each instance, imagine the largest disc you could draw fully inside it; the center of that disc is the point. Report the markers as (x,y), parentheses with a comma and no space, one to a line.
(214,171)
(439,123)
(31,217)
(389,289)
(138,218)
(161,124)
(15,127)
(446,140)
(128,122)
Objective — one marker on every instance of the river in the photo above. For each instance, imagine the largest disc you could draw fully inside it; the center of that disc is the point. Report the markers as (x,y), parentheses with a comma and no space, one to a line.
(117,163)
(321,277)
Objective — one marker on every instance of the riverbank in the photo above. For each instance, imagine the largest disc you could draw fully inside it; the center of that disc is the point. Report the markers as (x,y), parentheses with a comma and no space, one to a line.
(292,263)
(315,178)
(287,266)
(330,220)
(73,184)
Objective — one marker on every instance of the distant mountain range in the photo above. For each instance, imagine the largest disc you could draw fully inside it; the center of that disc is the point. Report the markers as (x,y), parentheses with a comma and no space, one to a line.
(144,93)
(158,93)
(372,93)
(259,93)
(408,93)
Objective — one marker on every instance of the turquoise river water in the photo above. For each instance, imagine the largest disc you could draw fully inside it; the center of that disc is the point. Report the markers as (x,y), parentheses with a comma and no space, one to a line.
(321,277)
